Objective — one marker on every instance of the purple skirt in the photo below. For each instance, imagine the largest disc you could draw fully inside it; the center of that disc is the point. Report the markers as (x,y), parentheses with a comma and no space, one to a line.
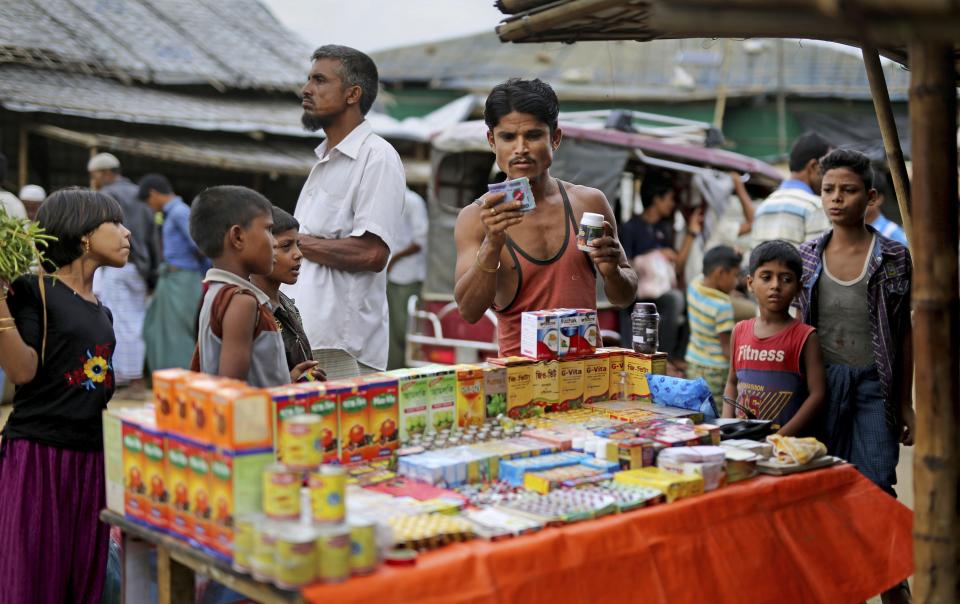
(53,547)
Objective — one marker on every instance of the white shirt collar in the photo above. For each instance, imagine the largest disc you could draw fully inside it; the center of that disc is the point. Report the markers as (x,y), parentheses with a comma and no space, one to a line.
(349,146)
(216,275)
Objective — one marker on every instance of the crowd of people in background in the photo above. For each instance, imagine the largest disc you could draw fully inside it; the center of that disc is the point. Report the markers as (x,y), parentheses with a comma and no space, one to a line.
(232,285)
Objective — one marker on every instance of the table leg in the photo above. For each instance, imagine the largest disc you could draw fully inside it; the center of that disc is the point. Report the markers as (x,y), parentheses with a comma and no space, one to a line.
(135,566)
(175,582)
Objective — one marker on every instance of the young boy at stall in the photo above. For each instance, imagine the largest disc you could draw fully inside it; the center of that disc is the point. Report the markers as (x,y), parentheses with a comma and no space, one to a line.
(776,372)
(56,345)
(710,317)
(286,270)
(856,292)
(237,335)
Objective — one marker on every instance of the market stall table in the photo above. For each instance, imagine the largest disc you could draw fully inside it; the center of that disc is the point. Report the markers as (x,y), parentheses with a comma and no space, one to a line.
(177,564)
(823,536)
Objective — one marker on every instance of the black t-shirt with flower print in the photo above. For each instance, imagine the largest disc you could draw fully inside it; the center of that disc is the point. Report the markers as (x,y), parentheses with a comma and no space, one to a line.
(62,406)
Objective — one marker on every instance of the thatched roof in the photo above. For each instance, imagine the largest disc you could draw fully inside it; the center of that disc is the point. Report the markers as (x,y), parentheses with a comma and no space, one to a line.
(230,44)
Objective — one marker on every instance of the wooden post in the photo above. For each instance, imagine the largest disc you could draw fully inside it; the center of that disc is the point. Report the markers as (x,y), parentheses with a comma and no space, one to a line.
(22,158)
(781,103)
(174,580)
(888,130)
(936,323)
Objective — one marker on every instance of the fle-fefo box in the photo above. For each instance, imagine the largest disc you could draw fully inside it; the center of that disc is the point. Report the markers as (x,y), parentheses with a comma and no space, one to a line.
(637,366)
(539,335)
(519,371)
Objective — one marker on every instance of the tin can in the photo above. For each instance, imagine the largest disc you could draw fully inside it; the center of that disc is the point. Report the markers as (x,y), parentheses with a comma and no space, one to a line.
(281,492)
(300,441)
(295,559)
(244,529)
(328,494)
(333,554)
(262,561)
(363,547)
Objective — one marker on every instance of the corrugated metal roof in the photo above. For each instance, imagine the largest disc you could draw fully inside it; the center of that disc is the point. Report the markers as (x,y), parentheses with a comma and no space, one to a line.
(24,89)
(689,69)
(227,43)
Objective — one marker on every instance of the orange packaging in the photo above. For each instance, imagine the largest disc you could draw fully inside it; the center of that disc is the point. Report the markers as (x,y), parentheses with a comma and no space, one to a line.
(134,485)
(596,378)
(200,391)
(383,410)
(178,485)
(165,396)
(571,384)
(199,459)
(240,417)
(470,401)
(236,490)
(353,420)
(157,497)
(324,401)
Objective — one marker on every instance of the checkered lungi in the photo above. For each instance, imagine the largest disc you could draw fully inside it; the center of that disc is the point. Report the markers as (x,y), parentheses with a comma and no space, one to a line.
(855,426)
(124,292)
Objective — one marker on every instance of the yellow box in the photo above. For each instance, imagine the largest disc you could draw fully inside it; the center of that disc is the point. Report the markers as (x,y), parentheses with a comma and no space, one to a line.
(546,385)
(596,378)
(520,403)
(571,384)
(674,486)
(637,366)
(615,362)
(470,401)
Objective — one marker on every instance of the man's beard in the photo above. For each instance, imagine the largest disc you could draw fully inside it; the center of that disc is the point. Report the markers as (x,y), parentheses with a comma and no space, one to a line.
(315,122)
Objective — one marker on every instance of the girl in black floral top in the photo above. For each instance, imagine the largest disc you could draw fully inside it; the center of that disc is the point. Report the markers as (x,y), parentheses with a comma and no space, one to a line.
(56,345)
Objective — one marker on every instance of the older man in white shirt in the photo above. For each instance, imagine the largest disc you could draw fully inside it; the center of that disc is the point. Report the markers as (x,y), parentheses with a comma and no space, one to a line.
(350,214)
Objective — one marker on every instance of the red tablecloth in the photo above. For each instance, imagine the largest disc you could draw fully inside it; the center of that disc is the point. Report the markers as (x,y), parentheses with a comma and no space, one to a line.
(826,536)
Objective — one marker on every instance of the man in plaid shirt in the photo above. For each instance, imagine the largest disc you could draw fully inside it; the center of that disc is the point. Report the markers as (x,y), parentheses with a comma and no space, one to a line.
(856,292)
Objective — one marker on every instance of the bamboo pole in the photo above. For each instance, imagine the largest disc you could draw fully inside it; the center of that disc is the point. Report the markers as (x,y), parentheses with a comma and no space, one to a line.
(22,158)
(720,107)
(936,323)
(888,130)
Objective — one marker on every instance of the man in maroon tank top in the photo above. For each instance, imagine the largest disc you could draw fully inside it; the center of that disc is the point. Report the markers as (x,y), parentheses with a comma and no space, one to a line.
(515,262)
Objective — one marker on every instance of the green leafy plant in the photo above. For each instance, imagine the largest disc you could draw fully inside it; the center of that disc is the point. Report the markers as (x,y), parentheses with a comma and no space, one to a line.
(22,242)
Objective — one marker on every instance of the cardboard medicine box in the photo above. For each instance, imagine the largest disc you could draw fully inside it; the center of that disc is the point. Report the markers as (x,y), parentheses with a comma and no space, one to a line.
(539,335)
(546,386)
(571,384)
(470,403)
(236,489)
(414,396)
(596,378)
